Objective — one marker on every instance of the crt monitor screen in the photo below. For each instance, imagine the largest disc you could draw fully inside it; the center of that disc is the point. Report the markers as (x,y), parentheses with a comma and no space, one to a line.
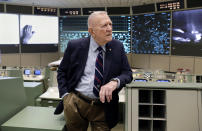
(9,29)
(37,72)
(27,71)
(35,29)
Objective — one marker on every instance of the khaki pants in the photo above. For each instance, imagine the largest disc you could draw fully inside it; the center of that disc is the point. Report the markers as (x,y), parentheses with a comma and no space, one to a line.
(78,113)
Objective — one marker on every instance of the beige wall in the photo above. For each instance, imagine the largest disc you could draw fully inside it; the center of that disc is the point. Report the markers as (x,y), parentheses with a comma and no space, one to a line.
(145,61)
(28,59)
(166,62)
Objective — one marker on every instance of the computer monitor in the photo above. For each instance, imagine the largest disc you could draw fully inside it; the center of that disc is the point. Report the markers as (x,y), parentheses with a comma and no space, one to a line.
(27,71)
(37,72)
(161,80)
(140,80)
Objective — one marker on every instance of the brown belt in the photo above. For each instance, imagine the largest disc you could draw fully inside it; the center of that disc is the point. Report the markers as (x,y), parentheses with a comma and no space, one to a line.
(87,99)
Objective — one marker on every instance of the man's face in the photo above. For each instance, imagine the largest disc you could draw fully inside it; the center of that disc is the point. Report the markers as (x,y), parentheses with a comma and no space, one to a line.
(102,29)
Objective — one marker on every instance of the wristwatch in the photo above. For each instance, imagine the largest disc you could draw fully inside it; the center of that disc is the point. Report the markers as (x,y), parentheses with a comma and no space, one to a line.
(117,80)
(114,79)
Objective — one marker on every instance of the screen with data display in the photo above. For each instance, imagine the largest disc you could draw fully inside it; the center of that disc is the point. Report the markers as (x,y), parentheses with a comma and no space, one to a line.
(187,33)
(72,27)
(151,33)
(75,27)
(122,30)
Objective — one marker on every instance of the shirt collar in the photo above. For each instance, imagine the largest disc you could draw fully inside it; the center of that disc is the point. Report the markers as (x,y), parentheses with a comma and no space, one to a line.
(94,45)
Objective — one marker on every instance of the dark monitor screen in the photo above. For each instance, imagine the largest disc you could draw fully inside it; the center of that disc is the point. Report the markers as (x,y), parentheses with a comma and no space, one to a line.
(151,33)
(118,10)
(194,3)
(37,72)
(18,9)
(143,8)
(27,71)
(1,7)
(187,33)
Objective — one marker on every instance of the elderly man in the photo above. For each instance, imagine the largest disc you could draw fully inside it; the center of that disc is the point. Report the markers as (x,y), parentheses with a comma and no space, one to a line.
(90,76)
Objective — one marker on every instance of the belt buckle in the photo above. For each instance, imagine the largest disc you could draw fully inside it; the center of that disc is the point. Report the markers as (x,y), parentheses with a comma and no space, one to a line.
(92,102)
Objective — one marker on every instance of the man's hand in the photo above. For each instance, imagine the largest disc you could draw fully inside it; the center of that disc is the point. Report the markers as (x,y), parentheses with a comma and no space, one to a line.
(106,91)
(27,34)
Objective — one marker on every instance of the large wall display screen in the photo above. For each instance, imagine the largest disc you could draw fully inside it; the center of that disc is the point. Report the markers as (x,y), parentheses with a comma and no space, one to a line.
(151,33)
(9,33)
(187,33)
(75,27)
(122,30)
(39,33)
(72,27)
(1,7)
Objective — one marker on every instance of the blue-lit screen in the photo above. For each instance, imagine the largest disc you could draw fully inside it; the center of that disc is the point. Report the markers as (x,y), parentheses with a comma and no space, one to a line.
(27,72)
(151,33)
(75,27)
(187,33)
(122,30)
(37,72)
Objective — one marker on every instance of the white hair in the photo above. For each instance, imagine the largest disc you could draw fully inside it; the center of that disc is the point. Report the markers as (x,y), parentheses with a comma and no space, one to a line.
(91,17)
